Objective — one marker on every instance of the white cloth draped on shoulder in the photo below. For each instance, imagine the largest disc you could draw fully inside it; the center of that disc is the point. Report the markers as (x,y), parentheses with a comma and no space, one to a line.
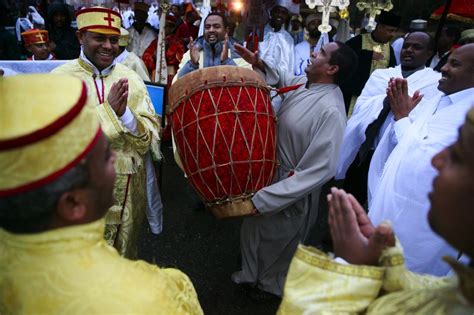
(401,176)
(370,103)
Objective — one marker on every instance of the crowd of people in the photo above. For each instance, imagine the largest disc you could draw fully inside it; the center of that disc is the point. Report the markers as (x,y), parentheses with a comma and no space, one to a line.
(388,120)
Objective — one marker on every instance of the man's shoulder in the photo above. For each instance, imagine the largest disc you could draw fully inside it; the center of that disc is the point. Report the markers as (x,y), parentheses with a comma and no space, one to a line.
(68,67)
(303,45)
(387,72)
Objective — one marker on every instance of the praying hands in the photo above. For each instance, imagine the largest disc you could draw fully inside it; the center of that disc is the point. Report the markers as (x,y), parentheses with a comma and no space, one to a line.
(401,103)
(354,237)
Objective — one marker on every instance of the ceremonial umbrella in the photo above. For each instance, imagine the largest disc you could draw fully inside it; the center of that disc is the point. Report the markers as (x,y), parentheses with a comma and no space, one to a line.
(458,10)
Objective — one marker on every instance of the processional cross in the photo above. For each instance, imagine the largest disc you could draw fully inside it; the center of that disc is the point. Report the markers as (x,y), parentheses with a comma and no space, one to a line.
(374,8)
(326,7)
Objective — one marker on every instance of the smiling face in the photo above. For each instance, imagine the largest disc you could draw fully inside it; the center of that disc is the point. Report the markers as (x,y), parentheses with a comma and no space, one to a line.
(100,49)
(278,17)
(416,51)
(452,200)
(458,72)
(214,30)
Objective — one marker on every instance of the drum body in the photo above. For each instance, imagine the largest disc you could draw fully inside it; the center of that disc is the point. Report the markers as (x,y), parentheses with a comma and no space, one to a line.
(224,130)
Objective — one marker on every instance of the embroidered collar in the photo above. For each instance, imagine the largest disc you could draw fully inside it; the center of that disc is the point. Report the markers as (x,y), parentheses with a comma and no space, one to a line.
(88,65)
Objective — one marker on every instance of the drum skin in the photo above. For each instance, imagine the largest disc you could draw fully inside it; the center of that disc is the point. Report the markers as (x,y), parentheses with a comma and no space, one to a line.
(224,130)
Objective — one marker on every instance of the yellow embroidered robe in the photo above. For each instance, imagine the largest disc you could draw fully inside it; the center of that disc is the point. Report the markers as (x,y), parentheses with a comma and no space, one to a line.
(73,270)
(316,284)
(124,218)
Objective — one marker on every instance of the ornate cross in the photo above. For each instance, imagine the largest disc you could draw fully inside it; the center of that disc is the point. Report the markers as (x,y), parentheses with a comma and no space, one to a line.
(326,7)
(373,8)
(109,19)
(39,37)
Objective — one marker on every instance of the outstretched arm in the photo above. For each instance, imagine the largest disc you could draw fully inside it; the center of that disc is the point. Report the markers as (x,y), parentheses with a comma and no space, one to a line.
(250,57)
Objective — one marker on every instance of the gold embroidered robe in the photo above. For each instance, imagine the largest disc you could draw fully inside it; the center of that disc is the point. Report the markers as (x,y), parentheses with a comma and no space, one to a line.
(124,218)
(316,284)
(73,270)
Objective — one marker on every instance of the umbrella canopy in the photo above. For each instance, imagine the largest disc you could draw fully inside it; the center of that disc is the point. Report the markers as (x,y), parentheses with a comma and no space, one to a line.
(460,10)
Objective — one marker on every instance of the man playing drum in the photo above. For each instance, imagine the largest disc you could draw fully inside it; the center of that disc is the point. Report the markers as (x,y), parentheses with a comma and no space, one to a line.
(311,125)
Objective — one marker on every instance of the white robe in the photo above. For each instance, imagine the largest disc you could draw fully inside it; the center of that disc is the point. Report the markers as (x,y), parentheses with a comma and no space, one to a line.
(397,47)
(138,43)
(311,122)
(370,103)
(277,49)
(400,186)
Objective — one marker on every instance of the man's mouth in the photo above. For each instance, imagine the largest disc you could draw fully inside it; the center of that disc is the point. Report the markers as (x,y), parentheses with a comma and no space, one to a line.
(443,78)
(105,54)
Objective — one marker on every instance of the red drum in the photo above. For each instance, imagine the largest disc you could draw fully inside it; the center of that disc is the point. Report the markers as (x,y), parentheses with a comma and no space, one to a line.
(225,133)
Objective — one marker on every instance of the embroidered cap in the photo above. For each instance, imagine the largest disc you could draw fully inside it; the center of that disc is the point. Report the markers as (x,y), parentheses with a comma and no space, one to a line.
(44,134)
(99,20)
(35,36)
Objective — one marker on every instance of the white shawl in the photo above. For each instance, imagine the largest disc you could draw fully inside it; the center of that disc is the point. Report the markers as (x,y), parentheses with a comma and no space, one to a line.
(370,103)
(400,194)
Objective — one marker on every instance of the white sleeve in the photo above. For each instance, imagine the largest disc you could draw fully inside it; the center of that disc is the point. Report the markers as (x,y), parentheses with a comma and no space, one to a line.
(129,121)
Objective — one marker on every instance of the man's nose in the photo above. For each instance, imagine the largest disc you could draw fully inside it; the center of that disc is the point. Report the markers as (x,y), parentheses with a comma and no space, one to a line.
(107,44)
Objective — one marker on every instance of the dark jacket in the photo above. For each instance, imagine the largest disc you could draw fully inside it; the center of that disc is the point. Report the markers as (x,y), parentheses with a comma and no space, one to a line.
(211,57)
(67,44)
(362,74)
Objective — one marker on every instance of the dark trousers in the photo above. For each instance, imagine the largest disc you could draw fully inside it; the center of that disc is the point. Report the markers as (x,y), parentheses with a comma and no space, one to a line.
(357,176)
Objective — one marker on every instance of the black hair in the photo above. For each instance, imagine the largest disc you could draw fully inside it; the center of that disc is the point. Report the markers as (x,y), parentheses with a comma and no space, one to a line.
(346,59)
(224,19)
(431,45)
(32,211)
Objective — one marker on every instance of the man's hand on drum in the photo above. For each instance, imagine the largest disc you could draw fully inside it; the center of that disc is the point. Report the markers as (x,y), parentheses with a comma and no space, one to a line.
(118,96)
(194,50)
(225,49)
(250,57)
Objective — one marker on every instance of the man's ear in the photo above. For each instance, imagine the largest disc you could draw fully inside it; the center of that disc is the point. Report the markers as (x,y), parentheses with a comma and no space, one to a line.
(70,207)
(80,36)
(332,70)
(29,48)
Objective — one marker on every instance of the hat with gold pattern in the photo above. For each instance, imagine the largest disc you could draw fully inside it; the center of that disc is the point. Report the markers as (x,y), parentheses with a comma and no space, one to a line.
(35,36)
(99,20)
(44,134)
(123,41)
